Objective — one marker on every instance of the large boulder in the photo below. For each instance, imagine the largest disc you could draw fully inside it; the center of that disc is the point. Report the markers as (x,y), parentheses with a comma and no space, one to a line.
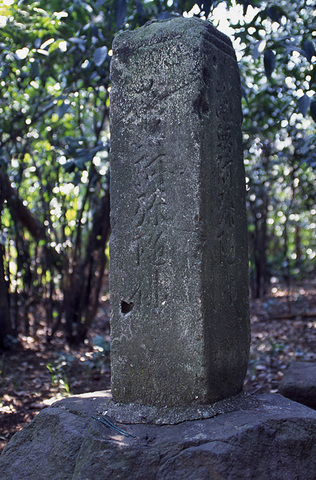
(266,437)
(299,383)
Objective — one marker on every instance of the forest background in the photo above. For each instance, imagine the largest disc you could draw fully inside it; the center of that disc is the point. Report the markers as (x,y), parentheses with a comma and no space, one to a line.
(55,148)
(54,186)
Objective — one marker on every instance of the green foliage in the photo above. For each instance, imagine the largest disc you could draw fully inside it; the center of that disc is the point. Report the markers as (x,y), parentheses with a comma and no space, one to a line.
(65,368)
(54,70)
(278,79)
(54,144)
(59,371)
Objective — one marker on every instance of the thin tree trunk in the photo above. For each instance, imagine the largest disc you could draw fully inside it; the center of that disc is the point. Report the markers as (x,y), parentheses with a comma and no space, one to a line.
(5,318)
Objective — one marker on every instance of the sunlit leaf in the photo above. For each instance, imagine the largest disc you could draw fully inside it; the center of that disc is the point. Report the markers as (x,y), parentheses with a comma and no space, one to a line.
(100,55)
(313,110)
(71,214)
(258,48)
(22,53)
(64,107)
(303,104)
(269,62)
(42,52)
(120,12)
(309,49)
(47,43)
(76,40)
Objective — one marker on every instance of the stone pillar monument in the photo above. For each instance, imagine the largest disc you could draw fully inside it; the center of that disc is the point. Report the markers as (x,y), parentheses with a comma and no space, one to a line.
(178,250)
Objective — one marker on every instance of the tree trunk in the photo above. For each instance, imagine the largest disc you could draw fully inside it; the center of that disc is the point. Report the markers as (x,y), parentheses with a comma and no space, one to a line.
(5,319)
(83,284)
(260,274)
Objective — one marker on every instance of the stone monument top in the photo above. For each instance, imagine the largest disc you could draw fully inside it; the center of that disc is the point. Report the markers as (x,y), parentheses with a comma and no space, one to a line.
(178,249)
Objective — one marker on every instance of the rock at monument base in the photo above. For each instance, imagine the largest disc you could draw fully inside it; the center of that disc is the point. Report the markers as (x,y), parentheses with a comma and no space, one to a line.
(269,438)
(299,383)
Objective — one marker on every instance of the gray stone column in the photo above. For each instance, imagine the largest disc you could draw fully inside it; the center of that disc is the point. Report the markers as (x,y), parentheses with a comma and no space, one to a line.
(178,250)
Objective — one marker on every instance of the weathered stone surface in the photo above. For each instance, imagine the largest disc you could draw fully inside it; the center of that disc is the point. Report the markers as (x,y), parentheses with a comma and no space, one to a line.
(179,265)
(271,439)
(299,383)
(135,413)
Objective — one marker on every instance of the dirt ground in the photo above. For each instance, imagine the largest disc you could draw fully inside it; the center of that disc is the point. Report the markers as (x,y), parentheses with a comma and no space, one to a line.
(36,374)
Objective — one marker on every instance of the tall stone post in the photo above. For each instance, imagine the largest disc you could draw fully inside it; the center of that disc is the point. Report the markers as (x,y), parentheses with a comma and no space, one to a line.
(178,250)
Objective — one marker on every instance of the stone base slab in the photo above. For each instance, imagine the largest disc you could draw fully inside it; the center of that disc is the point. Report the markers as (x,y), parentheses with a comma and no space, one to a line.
(263,437)
(133,413)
